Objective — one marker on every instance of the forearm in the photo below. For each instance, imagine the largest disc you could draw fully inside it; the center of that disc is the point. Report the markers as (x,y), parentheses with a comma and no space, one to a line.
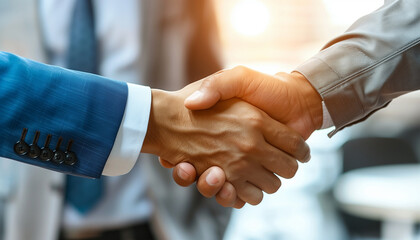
(84,108)
(375,61)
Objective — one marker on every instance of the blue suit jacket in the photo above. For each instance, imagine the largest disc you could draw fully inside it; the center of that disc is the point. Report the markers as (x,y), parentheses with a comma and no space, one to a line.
(82,107)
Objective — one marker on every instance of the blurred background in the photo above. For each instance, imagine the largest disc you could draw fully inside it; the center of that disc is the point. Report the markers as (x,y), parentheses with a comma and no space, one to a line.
(277,35)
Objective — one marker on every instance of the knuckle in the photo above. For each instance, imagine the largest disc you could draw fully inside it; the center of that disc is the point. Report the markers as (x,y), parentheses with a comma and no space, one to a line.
(241,69)
(291,170)
(277,134)
(254,119)
(247,147)
(207,82)
(296,144)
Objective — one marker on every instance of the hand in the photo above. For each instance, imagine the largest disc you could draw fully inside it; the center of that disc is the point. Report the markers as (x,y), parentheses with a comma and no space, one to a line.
(212,182)
(289,98)
(233,135)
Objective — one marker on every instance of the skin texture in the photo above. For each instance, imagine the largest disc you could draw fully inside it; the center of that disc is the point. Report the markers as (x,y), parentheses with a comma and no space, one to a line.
(244,142)
(288,98)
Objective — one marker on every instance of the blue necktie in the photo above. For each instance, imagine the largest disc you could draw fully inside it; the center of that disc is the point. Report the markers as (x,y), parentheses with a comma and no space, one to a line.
(82,50)
(83,193)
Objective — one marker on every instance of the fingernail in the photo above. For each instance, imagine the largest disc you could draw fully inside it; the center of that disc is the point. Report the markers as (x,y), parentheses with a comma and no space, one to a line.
(212,179)
(197,95)
(183,174)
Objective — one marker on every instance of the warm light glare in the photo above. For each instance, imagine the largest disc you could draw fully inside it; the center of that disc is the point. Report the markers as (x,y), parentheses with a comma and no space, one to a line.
(250,17)
(345,12)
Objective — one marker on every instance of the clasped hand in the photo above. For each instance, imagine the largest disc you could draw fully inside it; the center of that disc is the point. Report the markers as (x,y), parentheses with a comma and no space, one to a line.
(237,149)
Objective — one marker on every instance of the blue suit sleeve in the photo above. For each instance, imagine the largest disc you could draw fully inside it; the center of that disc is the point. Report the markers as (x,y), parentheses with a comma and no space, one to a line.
(83,108)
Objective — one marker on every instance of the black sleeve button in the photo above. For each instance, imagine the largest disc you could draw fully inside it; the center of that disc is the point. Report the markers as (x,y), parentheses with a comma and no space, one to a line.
(71,157)
(46,153)
(59,155)
(34,150)
(21,147)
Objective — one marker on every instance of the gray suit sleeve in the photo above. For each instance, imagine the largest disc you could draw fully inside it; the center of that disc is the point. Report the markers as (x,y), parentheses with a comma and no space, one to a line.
(376,60)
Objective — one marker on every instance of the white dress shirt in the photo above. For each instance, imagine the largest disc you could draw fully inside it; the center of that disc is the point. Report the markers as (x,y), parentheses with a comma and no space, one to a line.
(118,34)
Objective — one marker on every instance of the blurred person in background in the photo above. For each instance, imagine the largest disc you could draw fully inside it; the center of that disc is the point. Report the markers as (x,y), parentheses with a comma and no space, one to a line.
(163,44)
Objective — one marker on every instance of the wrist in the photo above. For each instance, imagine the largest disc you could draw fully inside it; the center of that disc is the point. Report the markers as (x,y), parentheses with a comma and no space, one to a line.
(312,100)
(152,140)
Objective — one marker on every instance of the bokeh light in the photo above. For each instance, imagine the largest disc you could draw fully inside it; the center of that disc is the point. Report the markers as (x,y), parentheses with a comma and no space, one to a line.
(345,12)
(250,17)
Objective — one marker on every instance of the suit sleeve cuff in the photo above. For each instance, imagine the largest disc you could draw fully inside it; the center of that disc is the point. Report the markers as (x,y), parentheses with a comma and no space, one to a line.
(326,117)
(336,95)
(131,133)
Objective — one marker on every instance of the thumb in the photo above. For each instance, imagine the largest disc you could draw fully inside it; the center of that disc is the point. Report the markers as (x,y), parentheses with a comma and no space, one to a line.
(216,87)
(204,98)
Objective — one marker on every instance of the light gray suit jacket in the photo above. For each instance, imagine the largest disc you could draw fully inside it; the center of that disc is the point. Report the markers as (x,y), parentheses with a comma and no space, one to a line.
(180,45)
(376,60)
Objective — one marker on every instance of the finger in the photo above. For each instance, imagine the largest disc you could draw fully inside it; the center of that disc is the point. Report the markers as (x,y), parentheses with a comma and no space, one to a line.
(165,163)
(280,163)
(223,85)
(239,203)
(286,139)
(248,192)
(264,180)
(227,195)
(184,174)
(211,181)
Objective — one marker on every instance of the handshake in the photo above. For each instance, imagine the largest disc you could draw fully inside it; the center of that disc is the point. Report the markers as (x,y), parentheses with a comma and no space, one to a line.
(237,130)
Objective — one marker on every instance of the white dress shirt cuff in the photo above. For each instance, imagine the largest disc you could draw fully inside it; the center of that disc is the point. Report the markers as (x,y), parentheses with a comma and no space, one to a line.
(131,133)
(326,117)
